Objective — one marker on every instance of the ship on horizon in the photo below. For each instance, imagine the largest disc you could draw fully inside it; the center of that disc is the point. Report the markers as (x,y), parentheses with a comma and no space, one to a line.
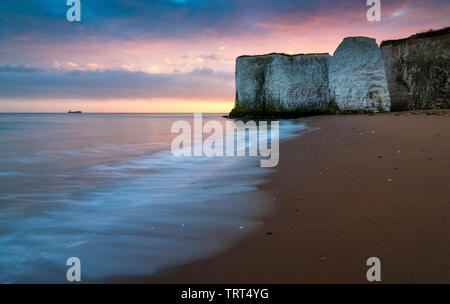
(74,112)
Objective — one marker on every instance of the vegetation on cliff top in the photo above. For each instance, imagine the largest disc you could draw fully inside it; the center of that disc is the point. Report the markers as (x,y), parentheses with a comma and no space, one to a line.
(430,33)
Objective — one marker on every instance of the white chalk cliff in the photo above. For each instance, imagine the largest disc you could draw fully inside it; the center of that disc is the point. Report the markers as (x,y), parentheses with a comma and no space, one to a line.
(283,82)
(353,80)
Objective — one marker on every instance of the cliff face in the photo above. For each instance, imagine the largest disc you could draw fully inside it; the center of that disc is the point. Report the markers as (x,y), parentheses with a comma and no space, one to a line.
(357,76)
(279,82)
(354,79)
(411,73)
(417,70)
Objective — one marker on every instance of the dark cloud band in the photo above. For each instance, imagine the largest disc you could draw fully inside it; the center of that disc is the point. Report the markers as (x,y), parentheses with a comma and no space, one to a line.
(26,82)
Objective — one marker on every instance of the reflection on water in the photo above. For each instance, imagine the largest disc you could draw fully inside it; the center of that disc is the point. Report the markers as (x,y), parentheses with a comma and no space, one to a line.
(105,188)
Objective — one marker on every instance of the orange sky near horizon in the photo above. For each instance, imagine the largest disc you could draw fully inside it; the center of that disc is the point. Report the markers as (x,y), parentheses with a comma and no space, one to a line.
(121,106)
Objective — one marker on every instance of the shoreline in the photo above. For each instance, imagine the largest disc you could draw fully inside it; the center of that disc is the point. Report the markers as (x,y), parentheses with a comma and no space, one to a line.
(363,186)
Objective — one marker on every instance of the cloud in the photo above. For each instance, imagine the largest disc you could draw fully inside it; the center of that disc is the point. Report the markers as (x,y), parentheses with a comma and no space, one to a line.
(20,69)
(146,48)
(212,57)
(22,82)
(45,21)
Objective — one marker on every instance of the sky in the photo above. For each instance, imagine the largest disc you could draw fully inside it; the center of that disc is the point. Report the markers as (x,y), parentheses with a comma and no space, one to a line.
(172,55)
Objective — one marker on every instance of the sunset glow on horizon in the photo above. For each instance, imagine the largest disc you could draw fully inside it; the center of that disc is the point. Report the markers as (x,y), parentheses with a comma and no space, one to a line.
(172,56)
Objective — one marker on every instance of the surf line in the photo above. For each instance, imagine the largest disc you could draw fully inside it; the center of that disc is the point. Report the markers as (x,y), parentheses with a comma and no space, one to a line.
(257,144)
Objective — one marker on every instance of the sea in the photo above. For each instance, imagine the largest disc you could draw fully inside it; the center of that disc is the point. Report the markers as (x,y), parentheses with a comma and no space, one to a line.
(106,189)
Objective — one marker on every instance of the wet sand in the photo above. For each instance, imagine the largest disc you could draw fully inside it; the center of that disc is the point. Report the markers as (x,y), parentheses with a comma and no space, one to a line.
(358,186)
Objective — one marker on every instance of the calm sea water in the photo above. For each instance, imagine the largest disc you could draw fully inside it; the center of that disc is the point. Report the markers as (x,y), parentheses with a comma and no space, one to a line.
(105,188)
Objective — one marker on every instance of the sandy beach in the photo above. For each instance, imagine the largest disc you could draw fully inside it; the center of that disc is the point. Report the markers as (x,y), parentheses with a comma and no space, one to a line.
(358,186)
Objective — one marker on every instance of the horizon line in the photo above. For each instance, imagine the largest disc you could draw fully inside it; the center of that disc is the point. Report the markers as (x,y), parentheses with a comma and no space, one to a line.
(113,113)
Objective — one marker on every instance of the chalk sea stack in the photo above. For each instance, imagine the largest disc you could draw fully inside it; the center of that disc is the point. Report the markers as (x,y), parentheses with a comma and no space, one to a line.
(360,77)
(357,77)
